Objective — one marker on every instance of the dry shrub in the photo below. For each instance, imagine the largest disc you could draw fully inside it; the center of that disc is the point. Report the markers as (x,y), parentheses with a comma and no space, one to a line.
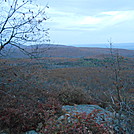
(74,95)
(21,114)
(81,124)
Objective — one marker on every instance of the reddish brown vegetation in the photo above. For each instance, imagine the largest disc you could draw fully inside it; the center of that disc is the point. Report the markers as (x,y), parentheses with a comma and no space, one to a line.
(30,94)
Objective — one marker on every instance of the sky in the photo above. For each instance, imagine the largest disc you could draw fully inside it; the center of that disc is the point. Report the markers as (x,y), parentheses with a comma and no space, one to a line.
(77,22)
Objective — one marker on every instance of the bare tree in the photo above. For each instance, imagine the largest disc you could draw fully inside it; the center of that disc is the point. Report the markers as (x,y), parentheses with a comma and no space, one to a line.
(121,101)
(21,23)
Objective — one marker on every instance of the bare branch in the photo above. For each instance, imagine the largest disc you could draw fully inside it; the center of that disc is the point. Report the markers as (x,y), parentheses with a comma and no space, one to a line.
(22,25)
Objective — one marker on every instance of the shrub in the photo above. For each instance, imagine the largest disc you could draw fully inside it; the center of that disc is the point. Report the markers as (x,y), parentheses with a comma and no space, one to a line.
(74,95)
(19,116)
(80,124)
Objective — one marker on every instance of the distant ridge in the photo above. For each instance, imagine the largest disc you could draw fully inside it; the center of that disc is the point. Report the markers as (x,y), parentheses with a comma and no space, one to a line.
(129,46)
(56,50)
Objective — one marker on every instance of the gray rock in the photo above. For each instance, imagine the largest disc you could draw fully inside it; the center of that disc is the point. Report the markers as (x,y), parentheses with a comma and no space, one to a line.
(83,108)
(101,115)
(31,132)
(112,119)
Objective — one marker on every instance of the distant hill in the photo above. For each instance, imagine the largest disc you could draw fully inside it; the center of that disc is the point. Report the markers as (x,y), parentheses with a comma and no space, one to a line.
(50,50)
(129,46)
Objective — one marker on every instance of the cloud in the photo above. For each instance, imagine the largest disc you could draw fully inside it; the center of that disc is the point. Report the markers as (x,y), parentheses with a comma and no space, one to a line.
(60,20)
(112,18)
(90,20)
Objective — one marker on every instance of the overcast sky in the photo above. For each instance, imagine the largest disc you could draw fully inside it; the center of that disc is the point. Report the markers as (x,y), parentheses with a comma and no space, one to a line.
(90,21)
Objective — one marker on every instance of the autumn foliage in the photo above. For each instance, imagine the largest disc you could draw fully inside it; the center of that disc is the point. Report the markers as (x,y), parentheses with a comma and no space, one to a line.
(31,95)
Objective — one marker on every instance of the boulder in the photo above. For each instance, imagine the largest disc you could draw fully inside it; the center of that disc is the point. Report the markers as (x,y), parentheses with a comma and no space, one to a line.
(31,132)
(102,114)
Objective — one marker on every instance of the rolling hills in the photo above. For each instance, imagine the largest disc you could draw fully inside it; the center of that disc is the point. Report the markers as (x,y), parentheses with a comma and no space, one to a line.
(50,50)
